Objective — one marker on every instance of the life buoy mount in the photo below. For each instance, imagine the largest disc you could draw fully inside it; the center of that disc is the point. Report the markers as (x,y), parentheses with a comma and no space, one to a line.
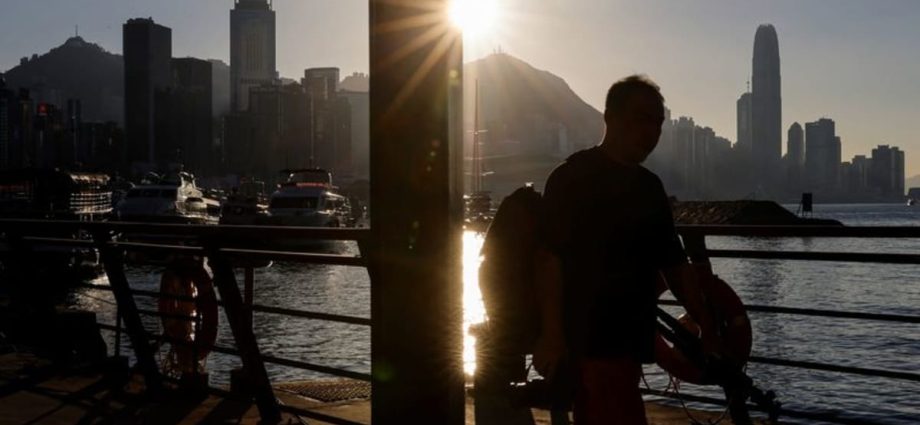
(188,279)
(731,321)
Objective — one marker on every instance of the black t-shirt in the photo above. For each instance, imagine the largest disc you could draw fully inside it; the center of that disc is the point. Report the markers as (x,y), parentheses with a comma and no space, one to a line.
(612,227)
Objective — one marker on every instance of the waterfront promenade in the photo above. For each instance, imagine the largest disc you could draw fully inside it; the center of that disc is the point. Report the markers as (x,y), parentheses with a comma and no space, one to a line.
(32,392)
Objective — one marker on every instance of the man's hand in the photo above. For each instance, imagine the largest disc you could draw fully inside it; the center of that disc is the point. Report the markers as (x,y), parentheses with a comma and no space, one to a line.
(687,283)
(713,346)
(549,353)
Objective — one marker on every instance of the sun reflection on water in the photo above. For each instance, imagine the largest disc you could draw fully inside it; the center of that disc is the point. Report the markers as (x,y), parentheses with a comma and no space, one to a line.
(473,309)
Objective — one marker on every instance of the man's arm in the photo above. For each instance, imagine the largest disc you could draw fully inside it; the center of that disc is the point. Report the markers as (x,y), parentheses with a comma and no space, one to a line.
(555,234)
(684,282)
(550,348)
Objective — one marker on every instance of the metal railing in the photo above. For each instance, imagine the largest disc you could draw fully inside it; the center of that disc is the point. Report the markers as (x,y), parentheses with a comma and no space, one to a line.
(694,238)
(230,247)
(226,248)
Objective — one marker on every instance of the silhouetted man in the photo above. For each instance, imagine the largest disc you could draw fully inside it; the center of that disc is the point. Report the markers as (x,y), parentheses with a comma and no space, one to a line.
(608,233)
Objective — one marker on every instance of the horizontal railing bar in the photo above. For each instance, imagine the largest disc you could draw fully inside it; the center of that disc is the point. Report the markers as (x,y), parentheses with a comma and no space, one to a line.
(253,254)
(109,327)
(258,308)
(312,315)
(218,232)
(813,416)
(293,256)
(847,257)
(836,368)
(800,231)
(896,318)
(249,254)
(59,241)
(156,247)
(157,294)
(167,315)
(328,370)
(267,309)
(302,257)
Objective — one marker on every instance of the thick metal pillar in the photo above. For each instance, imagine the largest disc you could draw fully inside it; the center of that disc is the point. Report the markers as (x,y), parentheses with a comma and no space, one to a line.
(416,219)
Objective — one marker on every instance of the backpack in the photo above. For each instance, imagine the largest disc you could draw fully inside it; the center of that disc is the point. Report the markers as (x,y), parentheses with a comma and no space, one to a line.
(506,274)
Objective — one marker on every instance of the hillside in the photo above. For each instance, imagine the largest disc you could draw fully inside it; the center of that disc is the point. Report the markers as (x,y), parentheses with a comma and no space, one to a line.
(75,69)
(532,117)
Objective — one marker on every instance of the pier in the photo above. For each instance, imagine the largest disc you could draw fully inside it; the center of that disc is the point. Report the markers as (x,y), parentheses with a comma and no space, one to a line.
(271,402)
(412,254)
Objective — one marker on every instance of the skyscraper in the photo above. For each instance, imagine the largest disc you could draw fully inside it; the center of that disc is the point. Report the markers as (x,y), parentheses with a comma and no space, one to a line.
(189,117)
(745,132)
(766,107)
(252,49)
(886,172)
(6,101)
(822,154)
(330,115)
(795,159)
(795,146)
(148,51)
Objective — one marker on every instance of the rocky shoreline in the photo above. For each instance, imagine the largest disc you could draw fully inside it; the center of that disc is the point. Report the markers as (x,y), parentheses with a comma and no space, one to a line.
(762,213)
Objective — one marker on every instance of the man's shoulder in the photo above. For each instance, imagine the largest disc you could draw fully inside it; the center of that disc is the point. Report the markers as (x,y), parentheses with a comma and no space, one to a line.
(649,175)
(578,164)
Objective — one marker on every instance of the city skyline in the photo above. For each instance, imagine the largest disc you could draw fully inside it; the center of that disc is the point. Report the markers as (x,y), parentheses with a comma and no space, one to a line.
(869,110)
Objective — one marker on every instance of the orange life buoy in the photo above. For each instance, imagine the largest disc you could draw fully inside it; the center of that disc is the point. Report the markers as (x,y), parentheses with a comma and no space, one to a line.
(188,280)
(731,321)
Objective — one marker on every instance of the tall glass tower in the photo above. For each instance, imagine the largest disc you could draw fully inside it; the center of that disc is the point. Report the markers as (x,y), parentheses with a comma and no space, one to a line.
(766,105)
(252,49)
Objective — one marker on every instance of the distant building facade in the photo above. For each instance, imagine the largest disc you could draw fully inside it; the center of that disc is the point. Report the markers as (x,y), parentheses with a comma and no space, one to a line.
(252,49)
(886,172)
(795,158)
(184,118)
(822,155)
(147,55)
(744,124)
(330,145)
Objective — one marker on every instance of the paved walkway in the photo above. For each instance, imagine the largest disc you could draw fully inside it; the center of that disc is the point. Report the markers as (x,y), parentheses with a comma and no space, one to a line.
(31,392)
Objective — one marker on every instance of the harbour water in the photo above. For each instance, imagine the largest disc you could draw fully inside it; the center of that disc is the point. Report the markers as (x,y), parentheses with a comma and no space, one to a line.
(872,288)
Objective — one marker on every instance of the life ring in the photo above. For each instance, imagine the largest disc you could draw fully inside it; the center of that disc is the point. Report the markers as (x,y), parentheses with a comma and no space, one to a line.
(730,319)
(188,279)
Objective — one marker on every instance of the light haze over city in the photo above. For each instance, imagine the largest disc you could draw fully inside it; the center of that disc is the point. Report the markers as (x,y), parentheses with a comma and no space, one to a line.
(852,61)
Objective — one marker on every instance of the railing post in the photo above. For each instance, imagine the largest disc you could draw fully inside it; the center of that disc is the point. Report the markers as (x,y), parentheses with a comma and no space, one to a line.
(416,223)
(248,283)
(113,263)
(244,337)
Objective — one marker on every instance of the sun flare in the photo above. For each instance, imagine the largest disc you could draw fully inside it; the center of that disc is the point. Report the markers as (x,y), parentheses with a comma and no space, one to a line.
(474,17)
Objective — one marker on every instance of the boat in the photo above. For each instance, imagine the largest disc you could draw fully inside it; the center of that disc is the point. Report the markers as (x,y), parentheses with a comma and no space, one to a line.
(172,198)
(56,194)
(307,198)
(247,204)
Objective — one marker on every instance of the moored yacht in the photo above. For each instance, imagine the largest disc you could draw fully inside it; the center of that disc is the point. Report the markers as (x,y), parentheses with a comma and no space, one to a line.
(168,199)
(307,198)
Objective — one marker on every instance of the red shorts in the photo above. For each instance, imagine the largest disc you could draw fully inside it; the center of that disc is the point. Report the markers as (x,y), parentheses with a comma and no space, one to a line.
(608,392)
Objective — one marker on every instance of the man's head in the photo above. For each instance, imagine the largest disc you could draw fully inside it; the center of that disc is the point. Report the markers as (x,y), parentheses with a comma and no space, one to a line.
(634,114)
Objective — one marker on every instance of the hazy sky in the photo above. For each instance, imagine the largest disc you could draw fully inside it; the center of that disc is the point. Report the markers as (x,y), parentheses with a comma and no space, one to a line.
(855,61)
